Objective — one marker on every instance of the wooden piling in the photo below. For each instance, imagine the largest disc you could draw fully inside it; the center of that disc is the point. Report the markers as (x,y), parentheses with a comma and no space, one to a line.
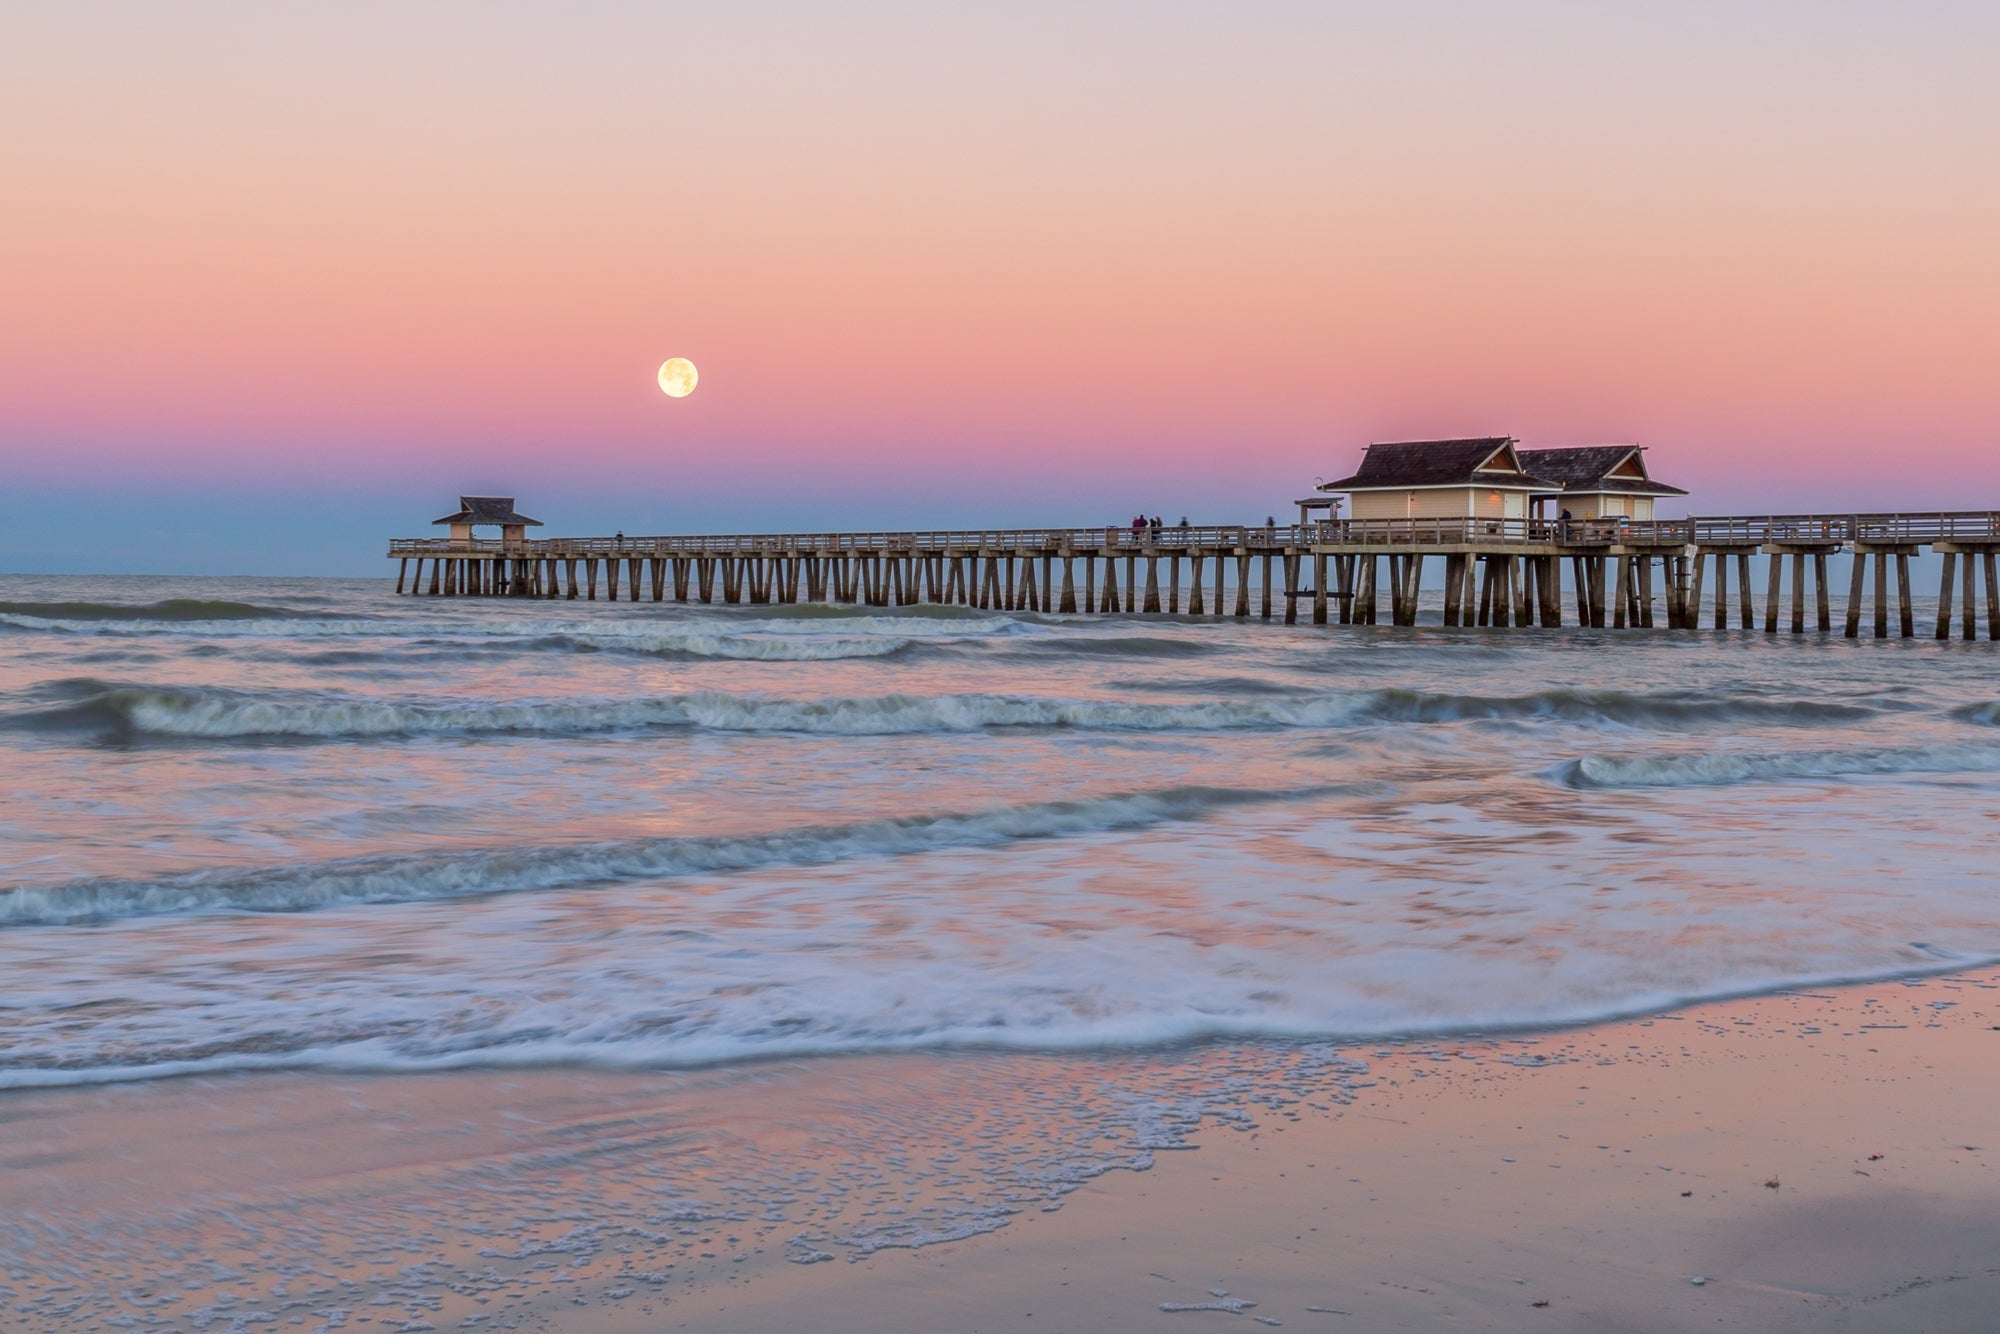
(1319,587)
(1945,591)
(1364,590)
(1856,578)
(1881,595)
(1906,622)
(1194,582)
(1991,562)
(1152,583)
(1971,619)
(1798,592)
(1772,591)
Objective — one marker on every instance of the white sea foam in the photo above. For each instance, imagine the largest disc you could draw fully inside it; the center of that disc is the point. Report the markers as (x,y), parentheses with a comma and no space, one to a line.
(1724,767)
(178,711)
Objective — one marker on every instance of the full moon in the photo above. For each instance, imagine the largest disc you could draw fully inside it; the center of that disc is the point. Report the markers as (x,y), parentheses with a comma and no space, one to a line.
(677,378)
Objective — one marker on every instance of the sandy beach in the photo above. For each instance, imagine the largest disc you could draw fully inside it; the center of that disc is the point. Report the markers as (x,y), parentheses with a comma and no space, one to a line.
(1800,1161)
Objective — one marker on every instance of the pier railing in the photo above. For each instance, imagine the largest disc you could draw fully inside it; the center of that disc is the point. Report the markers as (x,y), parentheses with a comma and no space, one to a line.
(1736,530)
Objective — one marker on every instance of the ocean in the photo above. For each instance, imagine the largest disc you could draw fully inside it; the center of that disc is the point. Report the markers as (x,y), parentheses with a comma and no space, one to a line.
(1140,871)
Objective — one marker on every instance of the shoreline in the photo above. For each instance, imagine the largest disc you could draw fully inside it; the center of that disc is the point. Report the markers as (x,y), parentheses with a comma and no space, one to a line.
(1455,1184)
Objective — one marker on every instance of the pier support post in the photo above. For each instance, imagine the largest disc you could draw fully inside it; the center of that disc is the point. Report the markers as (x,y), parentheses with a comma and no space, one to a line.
(1906,622)
(1798,592)
(1992,564)
(402,570)
(1454,593)
(1173,584)
(1291,589)
(1220,564)
(1194,583)
(1971,619)
(1945,591)
(1854,586)
(1319,588)
(1771,592)
(1745,599)
(1822,606)
(1265,608)
(1881,595)
(1364,590)
(1068,603)
(1518,575)
(1089,582)
(1621,597)
(1152,583)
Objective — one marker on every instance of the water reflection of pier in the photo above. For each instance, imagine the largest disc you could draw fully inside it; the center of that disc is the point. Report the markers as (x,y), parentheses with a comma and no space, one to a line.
(1622,573)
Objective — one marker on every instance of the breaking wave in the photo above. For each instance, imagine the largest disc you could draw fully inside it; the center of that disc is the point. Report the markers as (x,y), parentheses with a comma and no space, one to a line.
(140,711)
(452,875)
(1722,768)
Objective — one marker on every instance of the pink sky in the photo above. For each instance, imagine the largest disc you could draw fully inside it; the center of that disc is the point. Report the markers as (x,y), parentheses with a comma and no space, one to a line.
(1051,254)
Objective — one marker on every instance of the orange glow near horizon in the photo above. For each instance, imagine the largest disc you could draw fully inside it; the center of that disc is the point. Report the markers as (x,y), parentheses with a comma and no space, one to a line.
(1102,240)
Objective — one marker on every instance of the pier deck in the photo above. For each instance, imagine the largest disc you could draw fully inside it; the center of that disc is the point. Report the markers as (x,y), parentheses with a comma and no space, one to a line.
(1497,572)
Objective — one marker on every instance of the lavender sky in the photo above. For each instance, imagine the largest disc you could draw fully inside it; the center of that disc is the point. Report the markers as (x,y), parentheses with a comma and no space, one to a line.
(280,281)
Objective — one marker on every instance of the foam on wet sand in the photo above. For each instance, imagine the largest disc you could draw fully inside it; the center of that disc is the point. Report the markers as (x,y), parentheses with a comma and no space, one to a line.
(1800,1161)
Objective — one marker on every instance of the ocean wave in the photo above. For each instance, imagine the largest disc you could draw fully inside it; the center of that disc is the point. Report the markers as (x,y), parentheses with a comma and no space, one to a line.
(140,711)
(1656,708)
(170,611)
(453,875)
(761,639)
(1986,714)
(741,648)
(1724,768)
(1120,646)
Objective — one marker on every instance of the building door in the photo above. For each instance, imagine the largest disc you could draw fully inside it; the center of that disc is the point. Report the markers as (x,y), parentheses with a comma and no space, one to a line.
(1513,505)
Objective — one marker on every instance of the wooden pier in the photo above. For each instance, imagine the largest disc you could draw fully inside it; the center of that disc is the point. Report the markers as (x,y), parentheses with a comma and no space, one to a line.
(1623,573)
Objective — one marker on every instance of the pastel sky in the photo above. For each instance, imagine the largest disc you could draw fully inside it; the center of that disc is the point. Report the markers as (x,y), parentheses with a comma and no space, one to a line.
(281,280)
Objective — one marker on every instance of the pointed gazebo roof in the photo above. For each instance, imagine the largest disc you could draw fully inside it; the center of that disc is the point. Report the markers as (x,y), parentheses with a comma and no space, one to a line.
(488,509)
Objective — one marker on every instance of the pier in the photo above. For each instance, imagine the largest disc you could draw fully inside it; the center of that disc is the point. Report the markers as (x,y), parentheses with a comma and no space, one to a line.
(1622,573)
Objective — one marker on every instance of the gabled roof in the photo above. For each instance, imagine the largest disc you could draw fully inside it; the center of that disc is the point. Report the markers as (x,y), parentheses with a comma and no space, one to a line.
(1619,469)
(487,509)
(1485,461)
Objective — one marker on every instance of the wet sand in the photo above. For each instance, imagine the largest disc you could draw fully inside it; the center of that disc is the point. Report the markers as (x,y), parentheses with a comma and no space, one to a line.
(1819,1161)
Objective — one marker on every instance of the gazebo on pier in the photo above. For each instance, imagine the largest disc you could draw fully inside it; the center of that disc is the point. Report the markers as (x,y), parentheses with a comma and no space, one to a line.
(497,511)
